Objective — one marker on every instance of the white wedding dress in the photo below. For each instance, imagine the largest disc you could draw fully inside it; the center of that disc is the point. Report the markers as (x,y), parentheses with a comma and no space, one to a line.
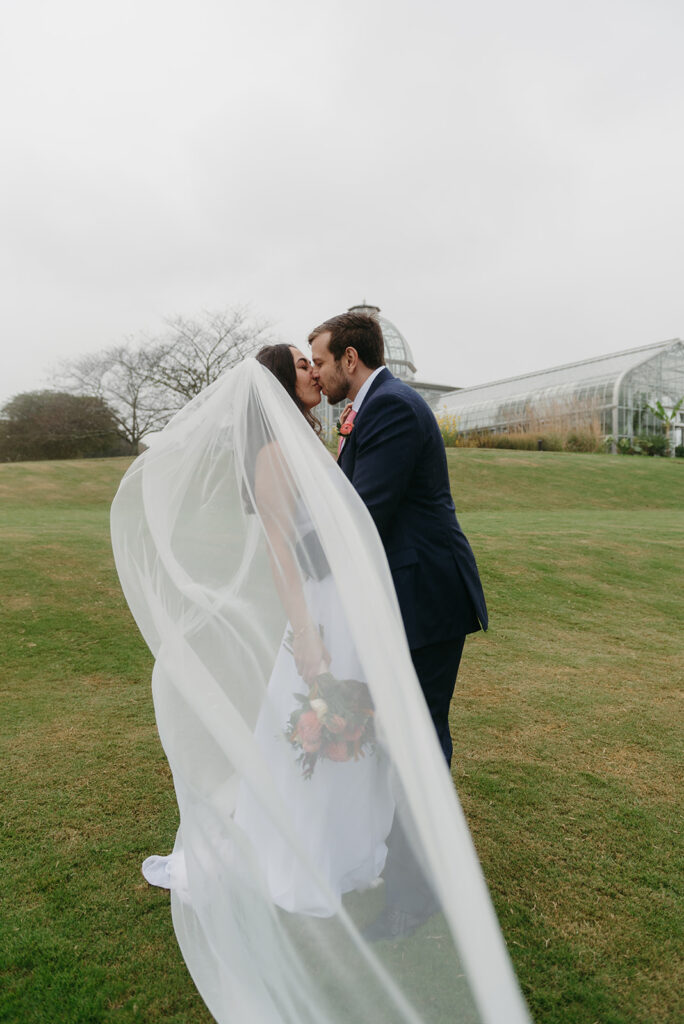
(343,813)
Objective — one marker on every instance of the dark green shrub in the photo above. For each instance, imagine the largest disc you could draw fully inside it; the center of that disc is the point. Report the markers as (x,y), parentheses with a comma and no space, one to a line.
(679,451)
(651,444)
(57,425)
(582,441)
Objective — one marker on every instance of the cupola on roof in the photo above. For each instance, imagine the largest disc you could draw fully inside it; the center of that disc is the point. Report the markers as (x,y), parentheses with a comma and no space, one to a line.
(398,355)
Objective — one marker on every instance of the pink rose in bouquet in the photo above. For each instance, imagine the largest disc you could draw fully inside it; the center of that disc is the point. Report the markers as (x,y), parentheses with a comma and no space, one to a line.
(309,731)
(336,724)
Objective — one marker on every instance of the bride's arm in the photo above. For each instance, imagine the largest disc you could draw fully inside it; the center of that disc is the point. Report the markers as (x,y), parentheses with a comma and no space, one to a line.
(276,505)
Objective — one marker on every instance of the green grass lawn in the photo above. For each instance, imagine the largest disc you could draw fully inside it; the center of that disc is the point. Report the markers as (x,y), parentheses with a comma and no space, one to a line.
(567,743)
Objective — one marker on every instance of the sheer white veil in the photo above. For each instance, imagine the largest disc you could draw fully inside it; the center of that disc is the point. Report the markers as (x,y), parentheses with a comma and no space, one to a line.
(274,876)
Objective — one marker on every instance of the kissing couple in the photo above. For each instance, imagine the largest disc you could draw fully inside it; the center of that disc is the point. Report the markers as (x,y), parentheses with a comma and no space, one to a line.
(307,618)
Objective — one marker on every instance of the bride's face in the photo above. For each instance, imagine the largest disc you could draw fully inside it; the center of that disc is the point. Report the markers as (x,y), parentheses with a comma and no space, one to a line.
(308,391)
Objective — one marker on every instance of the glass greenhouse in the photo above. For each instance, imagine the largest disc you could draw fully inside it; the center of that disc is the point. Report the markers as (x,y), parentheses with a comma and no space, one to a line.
(612,392)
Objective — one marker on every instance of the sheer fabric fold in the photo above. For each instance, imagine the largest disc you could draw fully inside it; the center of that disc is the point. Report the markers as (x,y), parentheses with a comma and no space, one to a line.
(291,792)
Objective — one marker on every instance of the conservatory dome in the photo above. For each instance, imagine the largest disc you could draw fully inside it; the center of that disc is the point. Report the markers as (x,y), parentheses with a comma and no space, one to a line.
(398,355)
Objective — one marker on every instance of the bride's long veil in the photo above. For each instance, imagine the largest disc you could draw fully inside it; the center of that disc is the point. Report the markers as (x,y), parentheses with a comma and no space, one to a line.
(274,875)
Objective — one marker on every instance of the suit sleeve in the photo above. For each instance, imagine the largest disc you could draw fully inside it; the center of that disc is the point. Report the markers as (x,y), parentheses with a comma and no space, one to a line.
(388,447)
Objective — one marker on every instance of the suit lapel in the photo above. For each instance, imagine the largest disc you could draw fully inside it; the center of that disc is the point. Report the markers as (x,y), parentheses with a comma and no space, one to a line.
(347,455)
(383,376)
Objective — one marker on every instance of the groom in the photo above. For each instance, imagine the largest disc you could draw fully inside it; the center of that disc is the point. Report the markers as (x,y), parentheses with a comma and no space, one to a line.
(393,454)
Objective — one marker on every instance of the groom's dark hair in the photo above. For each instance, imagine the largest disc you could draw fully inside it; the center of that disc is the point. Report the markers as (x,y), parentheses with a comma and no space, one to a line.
(354,330)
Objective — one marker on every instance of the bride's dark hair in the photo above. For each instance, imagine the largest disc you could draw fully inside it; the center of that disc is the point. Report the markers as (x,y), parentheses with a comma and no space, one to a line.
(280,361)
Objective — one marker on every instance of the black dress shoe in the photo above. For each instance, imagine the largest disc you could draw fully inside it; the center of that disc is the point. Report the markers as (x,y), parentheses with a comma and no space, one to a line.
(393,924)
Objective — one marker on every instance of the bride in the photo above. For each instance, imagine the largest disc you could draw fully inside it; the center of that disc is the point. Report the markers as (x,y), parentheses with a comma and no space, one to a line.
(288,708)
(344,810)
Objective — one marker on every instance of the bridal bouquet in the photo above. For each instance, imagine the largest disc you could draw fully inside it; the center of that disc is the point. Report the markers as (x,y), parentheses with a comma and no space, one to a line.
(334,721)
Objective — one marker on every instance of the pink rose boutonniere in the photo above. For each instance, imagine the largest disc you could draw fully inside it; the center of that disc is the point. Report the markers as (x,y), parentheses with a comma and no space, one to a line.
(345,423)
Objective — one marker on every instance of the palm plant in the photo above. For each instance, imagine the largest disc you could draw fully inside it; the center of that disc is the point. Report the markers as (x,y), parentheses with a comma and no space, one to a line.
(665,417)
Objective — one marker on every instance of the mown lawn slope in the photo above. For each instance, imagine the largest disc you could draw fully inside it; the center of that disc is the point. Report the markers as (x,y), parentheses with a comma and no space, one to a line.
(564,720)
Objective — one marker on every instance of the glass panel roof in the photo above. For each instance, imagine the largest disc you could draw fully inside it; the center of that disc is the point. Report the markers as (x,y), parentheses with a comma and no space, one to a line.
(398,353)
(558,380)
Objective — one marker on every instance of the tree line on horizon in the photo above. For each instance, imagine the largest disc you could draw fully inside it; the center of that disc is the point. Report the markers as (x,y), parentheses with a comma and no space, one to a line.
(104,404)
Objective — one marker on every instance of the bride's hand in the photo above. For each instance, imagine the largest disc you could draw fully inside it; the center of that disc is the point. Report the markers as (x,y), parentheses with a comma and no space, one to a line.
(345,412)
(310,653)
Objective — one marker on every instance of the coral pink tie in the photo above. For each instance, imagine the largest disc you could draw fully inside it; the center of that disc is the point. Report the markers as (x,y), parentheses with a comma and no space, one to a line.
(345,430)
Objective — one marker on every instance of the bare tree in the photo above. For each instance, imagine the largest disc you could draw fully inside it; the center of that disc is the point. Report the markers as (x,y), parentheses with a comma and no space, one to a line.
(196,351)
(145,381)
(123,376)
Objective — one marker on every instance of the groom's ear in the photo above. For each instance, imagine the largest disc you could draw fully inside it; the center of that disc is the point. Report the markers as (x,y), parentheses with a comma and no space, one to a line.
(350,359)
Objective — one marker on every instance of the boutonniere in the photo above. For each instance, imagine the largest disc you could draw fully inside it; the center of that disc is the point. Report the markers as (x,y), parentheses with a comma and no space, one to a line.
(345,423)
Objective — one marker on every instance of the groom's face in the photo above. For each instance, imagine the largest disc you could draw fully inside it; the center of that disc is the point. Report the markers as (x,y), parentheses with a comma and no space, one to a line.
(331,375)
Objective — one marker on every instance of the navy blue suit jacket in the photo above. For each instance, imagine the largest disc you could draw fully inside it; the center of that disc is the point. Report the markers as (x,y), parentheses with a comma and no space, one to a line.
(396,461)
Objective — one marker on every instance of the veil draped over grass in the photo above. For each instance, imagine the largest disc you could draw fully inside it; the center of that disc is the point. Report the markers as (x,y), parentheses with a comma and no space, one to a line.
(209,573)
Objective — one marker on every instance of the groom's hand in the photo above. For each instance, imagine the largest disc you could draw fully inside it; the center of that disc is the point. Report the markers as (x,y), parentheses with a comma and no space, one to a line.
(310,654)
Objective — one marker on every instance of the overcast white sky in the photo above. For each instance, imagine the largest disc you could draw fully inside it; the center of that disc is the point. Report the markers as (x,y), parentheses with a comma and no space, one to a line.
(504,179)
